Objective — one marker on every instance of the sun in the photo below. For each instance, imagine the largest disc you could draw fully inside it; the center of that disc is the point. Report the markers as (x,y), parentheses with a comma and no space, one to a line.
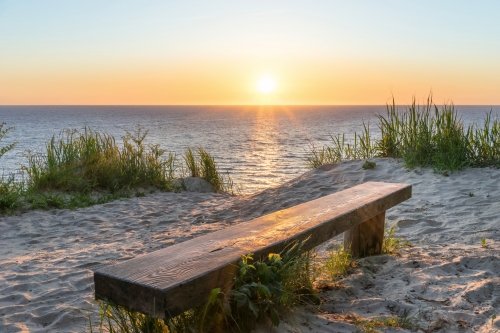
(266,85)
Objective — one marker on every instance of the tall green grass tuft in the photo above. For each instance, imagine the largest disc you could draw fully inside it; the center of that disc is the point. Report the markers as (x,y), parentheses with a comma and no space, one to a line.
(83,168)
(372,325)
(268,288)
(424,136)
(421,135)
(84,161)
(362,147)
(392,244)
(10,191)
(4,132)
(199,163)
(116,319)
(484,143)
(338,262)
(11,194)
(192,163)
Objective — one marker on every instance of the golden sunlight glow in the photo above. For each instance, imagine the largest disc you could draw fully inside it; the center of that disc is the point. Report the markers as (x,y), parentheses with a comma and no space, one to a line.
(266,85)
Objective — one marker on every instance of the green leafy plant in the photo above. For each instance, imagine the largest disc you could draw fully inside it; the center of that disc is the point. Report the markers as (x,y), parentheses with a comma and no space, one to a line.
(271,287)
(257,291)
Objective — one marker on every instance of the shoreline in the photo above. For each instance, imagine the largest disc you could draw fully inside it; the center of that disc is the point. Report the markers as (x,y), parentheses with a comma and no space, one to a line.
(46,282)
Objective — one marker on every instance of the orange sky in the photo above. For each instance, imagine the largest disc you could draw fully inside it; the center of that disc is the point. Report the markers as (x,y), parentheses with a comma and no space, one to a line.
(359,53)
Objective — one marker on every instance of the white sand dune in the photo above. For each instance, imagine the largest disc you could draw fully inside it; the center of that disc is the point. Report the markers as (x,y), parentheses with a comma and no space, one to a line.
(447,279)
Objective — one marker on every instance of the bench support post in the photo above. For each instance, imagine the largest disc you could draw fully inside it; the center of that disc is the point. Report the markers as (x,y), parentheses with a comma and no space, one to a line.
(366,238)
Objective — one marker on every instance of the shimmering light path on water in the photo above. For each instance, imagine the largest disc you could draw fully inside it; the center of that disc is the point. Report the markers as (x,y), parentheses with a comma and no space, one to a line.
(258,146)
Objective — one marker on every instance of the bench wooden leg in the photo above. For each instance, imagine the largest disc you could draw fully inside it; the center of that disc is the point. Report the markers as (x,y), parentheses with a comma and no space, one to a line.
(366,238)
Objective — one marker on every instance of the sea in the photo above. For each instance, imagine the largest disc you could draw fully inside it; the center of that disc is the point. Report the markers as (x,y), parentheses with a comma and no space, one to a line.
(258,146)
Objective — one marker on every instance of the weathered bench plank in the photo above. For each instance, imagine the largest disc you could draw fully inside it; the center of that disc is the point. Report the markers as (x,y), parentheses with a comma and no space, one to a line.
(169,281)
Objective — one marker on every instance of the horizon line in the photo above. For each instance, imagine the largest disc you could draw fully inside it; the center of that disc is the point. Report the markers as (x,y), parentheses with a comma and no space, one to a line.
(239,105)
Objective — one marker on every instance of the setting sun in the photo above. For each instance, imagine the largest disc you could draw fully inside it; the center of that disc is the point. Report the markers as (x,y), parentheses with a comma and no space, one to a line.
(266,85)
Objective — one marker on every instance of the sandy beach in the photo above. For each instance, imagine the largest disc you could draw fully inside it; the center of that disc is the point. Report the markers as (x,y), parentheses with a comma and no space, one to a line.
(446,279)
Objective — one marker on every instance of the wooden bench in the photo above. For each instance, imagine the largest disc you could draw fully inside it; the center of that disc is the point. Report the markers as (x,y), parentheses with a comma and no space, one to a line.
(174,279)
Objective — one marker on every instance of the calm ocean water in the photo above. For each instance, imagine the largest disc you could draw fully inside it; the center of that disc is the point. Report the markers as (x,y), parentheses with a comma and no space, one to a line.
(258,146)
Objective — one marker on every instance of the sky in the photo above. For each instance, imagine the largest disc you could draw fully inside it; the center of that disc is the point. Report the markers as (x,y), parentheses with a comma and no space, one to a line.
(216,52)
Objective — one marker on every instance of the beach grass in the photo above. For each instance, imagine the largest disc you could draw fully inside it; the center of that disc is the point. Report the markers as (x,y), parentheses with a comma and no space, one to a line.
(192,162)
(116,319)
(80,168)
(10,190)
(373,325)
(86,161)
(199,163)
(338,262)
(3,132)
(362,147)
(426,136)
(11,194)
(421,135)
(392,244)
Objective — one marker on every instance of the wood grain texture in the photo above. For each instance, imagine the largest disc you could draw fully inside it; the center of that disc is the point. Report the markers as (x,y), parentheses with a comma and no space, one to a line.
(169,281)
(366,238)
